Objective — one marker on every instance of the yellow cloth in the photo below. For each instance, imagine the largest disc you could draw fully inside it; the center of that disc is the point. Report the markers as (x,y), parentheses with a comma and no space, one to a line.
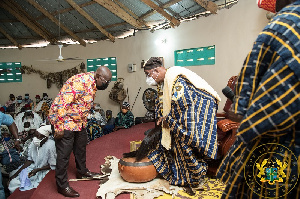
(211,189)
(170,78)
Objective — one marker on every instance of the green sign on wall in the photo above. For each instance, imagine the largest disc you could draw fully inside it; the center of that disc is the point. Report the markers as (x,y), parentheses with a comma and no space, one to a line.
(195,56)
(110,62)
(10,72)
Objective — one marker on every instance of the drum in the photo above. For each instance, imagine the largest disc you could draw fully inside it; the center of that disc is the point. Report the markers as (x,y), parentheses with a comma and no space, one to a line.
(132,171)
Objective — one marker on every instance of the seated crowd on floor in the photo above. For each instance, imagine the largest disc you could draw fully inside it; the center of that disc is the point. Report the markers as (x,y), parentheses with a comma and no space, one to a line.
(23,170)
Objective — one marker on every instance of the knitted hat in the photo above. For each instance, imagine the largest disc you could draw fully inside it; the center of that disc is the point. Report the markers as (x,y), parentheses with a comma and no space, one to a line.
(126,104)
(269,5)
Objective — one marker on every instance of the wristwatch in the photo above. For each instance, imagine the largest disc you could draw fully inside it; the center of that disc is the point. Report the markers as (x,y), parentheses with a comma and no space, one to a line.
(18,139)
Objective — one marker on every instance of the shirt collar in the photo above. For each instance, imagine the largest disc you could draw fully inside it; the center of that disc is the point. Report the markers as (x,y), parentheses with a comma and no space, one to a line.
(94,82)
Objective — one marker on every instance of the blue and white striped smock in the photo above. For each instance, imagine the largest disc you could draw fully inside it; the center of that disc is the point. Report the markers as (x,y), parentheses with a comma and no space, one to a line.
(268,96)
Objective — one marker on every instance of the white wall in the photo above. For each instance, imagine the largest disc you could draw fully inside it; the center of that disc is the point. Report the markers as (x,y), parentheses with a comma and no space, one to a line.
(233,31)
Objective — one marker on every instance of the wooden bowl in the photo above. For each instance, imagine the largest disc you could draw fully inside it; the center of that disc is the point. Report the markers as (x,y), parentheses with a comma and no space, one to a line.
(132,171)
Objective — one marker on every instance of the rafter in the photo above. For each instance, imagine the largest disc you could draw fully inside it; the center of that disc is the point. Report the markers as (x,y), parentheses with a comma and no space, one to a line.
(130,12)
(15,12)
(67,9)
(30,18)
(10,38)
(170,11)
(52,18)
(118,11)
(88,17)
(166,5)
(208,5)
(173,21)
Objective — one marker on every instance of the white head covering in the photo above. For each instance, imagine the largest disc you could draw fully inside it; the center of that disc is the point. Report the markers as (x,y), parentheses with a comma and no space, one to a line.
(45,130)
(97,107)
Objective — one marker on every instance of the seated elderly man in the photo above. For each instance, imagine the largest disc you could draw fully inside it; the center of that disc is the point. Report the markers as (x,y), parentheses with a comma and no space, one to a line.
(95,123)
(10,104)
(41,158)
(28,116)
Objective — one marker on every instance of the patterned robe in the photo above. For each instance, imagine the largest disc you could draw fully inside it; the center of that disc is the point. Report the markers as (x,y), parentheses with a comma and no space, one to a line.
(263,162)
(125,120)
(70,108)
(193,127)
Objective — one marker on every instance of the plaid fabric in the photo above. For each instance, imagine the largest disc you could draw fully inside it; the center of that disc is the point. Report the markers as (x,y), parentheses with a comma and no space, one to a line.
(125,120)
(70,108)
(193,125)
(268,96)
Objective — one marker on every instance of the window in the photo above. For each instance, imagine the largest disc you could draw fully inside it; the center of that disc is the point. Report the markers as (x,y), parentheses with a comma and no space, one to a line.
(10,72)
(195,56)
(110,62)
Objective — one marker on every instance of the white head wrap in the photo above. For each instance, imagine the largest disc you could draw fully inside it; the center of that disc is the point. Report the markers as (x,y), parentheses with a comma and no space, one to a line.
(45,130)
(97,107)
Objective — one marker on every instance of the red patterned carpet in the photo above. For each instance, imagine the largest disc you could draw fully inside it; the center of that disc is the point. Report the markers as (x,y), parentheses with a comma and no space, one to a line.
(114,144)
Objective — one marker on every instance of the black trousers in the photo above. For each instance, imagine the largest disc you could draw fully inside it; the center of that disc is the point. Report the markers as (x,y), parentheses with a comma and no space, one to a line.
(72,140)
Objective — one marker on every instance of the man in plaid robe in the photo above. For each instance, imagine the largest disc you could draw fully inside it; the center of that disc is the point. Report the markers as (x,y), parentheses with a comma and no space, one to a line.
(263,162)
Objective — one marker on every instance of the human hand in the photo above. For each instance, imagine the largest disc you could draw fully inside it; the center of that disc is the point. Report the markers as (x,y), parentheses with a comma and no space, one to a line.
(159,121)
(58,135)
(32,173)
(162,121)
(18,146)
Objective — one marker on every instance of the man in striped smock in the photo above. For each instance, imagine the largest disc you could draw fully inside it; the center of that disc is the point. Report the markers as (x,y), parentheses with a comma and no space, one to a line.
(186,108)
(263,162)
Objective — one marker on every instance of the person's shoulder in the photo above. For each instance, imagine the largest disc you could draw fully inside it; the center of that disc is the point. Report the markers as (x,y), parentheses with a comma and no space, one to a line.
(6,119)
(79,76)
(130,113)
(180,80)
(50,143)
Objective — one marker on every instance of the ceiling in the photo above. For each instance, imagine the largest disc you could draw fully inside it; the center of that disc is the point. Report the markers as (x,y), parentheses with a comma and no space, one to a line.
(33,23)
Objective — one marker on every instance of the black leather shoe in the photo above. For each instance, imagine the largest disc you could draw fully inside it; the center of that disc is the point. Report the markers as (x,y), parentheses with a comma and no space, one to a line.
(68,192)
(87,175)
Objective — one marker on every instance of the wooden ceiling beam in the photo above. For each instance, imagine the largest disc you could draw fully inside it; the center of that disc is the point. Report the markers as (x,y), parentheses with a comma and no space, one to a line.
(173,21)
(30,18)
(170,11)
(10,38)
(15,12)
(67,10)
(130,12)
(88,17)
(118,11)
(53,19)
(208,5)
(166,5)
(170,3)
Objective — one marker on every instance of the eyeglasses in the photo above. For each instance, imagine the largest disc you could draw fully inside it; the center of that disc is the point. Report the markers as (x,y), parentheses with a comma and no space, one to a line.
(102,78)
(149,74)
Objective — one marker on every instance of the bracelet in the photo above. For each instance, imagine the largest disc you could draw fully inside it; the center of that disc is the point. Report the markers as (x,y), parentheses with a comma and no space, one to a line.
(18,139)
